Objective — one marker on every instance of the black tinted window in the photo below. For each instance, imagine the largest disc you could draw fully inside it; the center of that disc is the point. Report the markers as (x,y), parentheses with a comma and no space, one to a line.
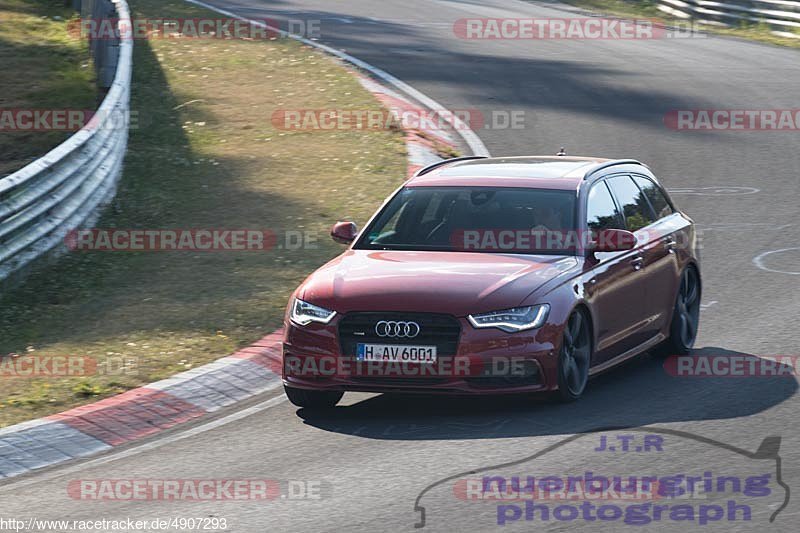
(632,201)
(601,212)
(656,197)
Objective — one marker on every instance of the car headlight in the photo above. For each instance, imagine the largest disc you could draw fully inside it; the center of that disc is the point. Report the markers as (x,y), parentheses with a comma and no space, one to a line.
(512,320)
(304,313)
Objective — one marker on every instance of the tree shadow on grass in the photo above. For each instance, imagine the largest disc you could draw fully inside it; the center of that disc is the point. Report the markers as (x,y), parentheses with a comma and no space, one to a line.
(89,297)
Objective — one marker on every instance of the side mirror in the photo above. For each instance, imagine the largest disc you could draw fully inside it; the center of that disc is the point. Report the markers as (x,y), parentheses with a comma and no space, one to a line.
(344,232)
(613,240)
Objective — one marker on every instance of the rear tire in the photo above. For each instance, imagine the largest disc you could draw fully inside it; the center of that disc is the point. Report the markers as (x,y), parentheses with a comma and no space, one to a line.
(312,399)
(574,357)
(685,317)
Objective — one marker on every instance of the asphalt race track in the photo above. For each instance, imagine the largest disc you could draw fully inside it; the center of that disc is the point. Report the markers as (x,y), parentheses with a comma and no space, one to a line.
(375,454)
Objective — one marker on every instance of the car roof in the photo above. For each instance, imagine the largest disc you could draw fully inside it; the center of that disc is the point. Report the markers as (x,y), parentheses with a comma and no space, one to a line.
(545,172)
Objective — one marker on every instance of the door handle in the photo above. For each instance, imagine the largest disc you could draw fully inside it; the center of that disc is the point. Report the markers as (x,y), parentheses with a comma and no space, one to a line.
(637,262)
(669,243)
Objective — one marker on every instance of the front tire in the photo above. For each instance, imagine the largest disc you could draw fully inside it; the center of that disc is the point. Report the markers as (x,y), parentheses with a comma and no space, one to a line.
(312,399)
(574,357)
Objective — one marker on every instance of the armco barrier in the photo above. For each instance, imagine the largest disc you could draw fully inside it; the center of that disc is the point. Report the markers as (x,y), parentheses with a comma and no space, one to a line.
(782,16)
(41,202)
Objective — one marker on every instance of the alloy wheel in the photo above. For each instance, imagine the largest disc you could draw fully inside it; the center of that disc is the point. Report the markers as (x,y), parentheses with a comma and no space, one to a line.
(575,355)
(688,307)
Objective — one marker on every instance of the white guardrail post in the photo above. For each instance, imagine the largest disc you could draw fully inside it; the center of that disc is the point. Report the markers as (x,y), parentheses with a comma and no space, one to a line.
(782,16)
(42,202)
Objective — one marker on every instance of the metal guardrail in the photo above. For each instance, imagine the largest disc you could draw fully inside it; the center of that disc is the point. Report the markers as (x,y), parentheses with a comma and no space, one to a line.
(42,202)
(782,16)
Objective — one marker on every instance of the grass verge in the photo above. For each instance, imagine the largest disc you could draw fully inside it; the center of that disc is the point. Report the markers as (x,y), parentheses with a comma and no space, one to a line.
(43,67)
(204,155)
(649,9)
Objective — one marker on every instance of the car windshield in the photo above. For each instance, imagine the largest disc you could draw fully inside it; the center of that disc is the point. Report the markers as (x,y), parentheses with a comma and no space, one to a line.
(482,219)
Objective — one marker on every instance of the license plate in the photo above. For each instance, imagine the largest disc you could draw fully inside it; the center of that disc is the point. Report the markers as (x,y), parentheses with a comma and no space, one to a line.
(395,353)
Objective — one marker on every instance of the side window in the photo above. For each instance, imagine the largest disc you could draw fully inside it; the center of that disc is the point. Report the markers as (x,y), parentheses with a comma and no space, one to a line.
(601,211)
(635,207)
(655,195)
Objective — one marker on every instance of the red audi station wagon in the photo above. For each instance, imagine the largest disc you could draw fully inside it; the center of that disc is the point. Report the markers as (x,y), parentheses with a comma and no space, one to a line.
(497,275)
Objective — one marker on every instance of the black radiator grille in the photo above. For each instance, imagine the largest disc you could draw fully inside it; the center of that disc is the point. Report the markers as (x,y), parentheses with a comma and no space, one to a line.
(437,330)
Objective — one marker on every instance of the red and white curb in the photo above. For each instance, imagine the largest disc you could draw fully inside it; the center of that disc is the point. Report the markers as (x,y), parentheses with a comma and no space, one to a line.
(141,412)
(145,411)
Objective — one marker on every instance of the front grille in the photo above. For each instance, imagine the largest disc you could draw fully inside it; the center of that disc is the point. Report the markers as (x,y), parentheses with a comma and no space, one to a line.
(442,331)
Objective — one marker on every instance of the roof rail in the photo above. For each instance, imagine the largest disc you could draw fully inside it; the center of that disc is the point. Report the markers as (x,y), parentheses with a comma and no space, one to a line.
(438,164)
(612,163)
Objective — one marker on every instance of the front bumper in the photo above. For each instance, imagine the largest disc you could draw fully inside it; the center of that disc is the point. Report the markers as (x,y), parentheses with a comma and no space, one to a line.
(486,361)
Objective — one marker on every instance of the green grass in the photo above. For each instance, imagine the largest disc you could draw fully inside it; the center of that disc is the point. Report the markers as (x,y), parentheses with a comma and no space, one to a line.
(205,155)
(43,66)
(648,8)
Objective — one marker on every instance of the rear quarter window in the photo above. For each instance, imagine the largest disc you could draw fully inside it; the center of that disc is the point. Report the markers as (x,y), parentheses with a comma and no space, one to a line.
(635,207)
(655,195)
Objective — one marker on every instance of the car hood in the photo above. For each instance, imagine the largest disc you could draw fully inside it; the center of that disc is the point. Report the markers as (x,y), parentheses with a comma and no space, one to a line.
(457,283)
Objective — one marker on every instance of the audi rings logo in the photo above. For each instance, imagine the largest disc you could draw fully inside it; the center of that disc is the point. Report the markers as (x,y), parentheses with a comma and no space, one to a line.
(391,328)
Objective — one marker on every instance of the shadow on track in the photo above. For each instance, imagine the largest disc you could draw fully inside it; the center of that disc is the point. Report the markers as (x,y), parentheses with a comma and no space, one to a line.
(635,394)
